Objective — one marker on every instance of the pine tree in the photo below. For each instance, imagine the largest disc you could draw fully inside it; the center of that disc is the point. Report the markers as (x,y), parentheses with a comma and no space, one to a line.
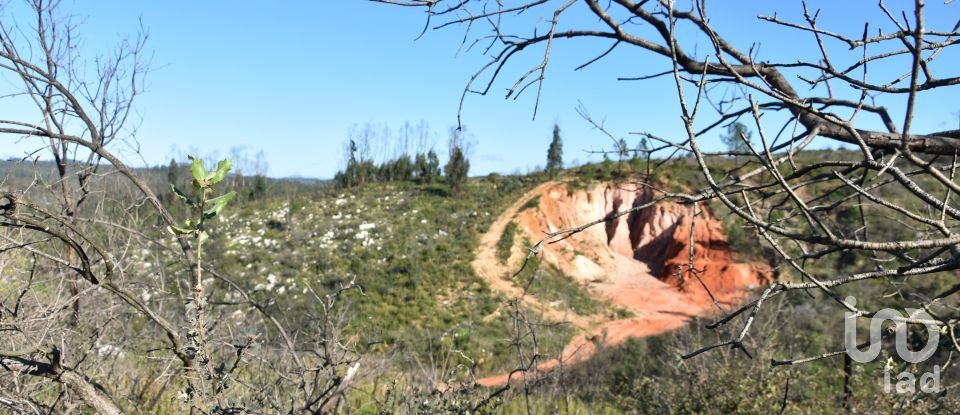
(403,168)
(642,149)
(458,165)
(433,167)
(640,154)
(350,175)
(732,139)
(456,171)
(420,167)
(555,153)
(173,172)
(259,190)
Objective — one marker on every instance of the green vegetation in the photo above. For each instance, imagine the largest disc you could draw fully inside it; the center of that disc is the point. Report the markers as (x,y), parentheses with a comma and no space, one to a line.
(533,203)
(737,137)
(370,139)
(457,167)
(648,376)
(204,207)
(424,312)
(409,247)
(555,154)
(505,243)
(427,167)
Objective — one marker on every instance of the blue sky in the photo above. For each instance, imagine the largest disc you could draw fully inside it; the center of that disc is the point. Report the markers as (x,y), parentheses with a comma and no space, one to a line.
(292,78)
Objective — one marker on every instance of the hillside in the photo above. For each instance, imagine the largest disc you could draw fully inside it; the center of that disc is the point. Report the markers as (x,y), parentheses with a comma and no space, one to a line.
(430,302)
(435,279)
(408,247)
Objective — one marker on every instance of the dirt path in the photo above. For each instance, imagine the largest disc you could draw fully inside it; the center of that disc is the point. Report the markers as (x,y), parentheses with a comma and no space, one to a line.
(497,275)
(657,307)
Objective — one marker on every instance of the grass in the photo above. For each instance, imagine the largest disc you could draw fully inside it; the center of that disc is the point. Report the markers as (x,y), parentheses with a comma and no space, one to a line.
(410,247)
(505,243)
(533,203)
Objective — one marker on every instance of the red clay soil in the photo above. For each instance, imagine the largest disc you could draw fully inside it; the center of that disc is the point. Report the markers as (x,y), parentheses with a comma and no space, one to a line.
(638,262)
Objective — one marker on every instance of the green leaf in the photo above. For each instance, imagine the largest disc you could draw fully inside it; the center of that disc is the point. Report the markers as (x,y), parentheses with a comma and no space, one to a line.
(179,231)
(217,204)
(203,236)
(198,172)
(183,196)
(223,167)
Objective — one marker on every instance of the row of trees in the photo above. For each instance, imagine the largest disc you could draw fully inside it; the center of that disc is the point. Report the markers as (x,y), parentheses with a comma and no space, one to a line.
(424,167)
(622,151)
(737,140)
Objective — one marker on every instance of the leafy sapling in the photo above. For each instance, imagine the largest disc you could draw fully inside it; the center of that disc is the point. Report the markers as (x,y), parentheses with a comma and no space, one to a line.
(203,206)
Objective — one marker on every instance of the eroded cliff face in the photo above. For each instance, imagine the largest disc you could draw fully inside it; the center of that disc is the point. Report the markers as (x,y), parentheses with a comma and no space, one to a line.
(649,247)
(639,262)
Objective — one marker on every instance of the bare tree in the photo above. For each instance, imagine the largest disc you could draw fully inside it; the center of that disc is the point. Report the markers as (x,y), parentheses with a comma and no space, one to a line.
(79,118)
(156,324)
(890,201)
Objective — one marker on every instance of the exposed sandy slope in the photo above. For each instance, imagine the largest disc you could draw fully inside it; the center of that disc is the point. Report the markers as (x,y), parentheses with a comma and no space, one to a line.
(497,275)
(637,262)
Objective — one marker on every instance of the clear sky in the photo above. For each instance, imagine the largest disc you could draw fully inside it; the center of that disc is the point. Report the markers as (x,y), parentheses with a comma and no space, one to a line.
(292,77)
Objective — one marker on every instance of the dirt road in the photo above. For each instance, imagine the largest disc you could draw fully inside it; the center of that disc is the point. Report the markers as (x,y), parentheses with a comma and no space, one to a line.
(487,266)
